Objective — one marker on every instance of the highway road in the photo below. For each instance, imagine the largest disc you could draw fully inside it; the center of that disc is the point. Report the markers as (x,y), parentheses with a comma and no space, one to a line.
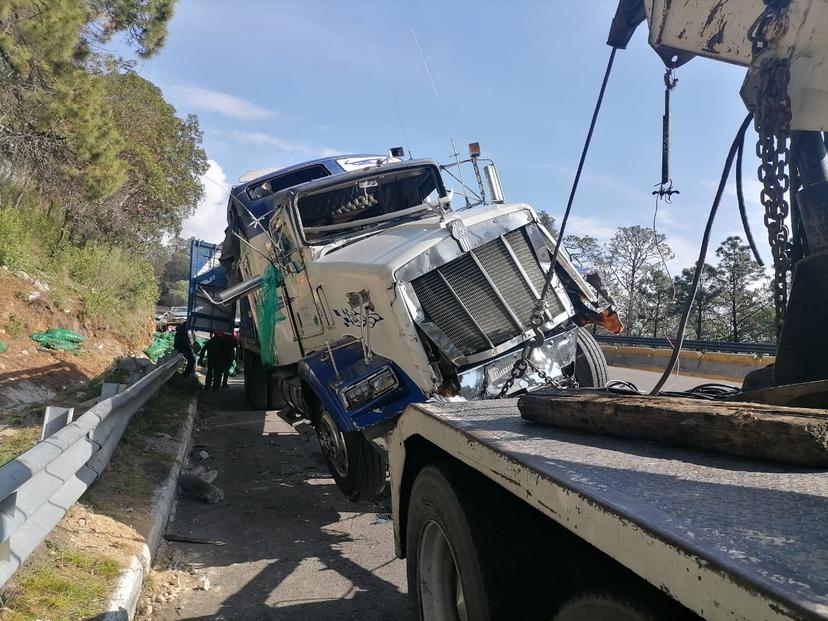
(645,380)
(295,549)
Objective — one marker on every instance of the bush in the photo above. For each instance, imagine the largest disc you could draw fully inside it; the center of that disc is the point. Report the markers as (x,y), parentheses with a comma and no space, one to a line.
(113,282)
(17,248)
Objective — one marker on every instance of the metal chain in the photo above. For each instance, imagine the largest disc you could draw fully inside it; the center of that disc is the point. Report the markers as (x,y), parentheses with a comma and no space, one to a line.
(523,363)
(772,122)
(536,319)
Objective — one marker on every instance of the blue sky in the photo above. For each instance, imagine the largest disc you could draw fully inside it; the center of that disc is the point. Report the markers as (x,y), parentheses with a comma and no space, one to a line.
(275,83)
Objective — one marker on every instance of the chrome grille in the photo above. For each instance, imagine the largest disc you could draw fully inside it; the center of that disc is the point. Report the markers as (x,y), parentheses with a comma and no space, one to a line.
(485,297)
(520,246)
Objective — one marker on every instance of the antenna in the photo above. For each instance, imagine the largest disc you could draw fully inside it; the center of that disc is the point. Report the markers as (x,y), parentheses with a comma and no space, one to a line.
(455,154)
(402,124)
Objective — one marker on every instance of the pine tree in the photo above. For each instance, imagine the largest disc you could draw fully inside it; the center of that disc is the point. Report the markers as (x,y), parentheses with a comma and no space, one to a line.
(627,260)
(656,295)
(740,280)
(703,315)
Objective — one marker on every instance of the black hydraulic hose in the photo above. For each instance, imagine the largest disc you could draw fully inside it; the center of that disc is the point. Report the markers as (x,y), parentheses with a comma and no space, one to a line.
(694,287)
(551,272)
(740,197)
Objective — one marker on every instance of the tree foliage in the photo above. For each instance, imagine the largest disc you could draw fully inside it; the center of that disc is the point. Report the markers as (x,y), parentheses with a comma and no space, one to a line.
(627,259)
(164,161)
(741,281)
(57,130)
(733,301)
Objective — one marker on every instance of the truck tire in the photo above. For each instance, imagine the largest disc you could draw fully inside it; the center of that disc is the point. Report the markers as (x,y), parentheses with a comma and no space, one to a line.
(478,519)
(616,604)
(275,400)
(255,381)
(590,363)
(356,465)
(445,579)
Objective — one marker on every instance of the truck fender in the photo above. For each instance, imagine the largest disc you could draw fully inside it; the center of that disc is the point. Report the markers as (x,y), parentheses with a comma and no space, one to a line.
(317,372)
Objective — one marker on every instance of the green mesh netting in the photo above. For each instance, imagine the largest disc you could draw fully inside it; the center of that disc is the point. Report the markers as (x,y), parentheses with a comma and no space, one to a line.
(58,338)
(160,346)
(269,313)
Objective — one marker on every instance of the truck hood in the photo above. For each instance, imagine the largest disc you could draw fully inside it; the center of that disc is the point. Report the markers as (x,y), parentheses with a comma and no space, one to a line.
(385,252)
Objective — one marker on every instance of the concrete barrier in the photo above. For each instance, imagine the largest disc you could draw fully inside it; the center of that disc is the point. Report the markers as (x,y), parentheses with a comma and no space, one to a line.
(704,364)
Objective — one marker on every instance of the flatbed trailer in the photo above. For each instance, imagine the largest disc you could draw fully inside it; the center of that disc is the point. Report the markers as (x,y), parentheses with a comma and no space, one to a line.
(727,538)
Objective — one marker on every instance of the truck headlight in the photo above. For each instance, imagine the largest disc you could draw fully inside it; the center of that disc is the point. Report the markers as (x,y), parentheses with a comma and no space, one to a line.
(371,388)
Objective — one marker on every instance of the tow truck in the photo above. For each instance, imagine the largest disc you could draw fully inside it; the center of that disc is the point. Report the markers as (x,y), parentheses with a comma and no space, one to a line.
(500,517)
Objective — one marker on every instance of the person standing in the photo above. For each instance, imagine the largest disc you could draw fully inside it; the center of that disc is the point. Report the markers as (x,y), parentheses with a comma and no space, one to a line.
(218,352)
(183,345)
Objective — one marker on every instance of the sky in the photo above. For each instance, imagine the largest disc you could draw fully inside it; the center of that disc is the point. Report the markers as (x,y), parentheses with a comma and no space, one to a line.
(275,83)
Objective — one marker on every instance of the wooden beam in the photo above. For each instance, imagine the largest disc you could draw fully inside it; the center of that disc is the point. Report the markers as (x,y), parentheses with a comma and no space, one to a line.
(783,434)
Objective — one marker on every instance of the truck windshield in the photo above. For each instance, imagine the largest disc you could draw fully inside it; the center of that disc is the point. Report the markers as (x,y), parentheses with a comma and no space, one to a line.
(367,202)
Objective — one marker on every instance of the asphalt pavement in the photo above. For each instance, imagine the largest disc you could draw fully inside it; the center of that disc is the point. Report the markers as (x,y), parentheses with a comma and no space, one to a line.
(645,380)
(295,548)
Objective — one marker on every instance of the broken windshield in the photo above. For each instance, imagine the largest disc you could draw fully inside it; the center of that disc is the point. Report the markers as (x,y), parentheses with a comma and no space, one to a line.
(367,202)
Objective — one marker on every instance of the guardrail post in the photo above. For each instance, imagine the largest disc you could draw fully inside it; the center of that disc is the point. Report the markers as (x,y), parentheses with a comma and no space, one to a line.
(7,507)
(110,389)
(55,419)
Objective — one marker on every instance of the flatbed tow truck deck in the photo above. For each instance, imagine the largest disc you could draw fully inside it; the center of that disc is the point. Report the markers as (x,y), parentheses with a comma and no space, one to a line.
(729,538)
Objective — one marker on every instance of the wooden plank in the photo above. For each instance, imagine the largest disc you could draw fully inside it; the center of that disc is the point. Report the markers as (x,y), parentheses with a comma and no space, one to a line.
(783,434)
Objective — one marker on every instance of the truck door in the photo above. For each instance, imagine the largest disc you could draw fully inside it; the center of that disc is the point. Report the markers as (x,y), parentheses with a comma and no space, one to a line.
(298,288)
(207,273)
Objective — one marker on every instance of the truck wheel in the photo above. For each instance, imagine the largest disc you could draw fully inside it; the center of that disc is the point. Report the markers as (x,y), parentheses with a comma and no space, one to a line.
(356,466)
(255,381)
(275,401)
(444,571)
(590,363)
(612,605)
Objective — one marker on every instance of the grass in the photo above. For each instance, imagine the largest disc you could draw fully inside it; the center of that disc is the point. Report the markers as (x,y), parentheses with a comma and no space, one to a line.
(130,472)
(68,584)
(16,326)
(14,444)
(117,288)
(164,413)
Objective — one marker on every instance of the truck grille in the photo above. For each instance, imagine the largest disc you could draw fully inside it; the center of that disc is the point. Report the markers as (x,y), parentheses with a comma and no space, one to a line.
(482,299)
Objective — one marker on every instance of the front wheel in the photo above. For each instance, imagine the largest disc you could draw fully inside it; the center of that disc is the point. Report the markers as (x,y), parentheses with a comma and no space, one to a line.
(356,465)
(590,363)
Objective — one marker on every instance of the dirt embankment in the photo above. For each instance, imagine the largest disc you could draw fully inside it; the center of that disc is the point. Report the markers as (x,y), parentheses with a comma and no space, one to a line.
(30,375)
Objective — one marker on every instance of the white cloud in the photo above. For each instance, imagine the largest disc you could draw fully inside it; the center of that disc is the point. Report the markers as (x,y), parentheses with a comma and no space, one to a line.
(264,139)
(210,218)
(599,228)
(223,103)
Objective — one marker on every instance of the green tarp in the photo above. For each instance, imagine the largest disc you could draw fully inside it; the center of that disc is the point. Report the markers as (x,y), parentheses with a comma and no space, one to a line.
(59,339)
(269,314)
(160,346)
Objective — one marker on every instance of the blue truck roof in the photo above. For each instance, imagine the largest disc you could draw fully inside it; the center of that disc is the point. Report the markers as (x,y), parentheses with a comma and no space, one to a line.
(257,206)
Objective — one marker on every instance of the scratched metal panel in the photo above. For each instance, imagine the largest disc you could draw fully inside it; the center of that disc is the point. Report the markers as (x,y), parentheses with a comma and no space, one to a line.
(766,523)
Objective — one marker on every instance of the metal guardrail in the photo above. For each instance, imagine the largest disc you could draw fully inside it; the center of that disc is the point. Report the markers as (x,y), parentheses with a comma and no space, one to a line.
(38,487)
(722,346)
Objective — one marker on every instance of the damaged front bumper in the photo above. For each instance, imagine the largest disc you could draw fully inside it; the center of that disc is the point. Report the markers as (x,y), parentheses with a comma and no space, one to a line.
(486,380)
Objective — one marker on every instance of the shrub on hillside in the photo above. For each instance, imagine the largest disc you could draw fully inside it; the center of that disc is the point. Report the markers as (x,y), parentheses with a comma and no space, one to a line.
(113,282)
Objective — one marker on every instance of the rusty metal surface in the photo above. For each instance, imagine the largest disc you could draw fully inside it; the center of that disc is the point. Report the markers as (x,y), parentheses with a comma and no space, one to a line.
(767,524)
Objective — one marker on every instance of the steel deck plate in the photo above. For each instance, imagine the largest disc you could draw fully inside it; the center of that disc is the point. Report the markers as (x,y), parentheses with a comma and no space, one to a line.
(765,523)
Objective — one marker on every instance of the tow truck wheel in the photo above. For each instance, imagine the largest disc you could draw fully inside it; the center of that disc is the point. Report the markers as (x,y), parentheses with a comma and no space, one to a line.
(444,570)
(590,363)
(612,605)
(356,465)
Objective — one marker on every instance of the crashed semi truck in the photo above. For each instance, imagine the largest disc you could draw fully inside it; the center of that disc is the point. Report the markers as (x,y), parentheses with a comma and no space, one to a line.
(365,285)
